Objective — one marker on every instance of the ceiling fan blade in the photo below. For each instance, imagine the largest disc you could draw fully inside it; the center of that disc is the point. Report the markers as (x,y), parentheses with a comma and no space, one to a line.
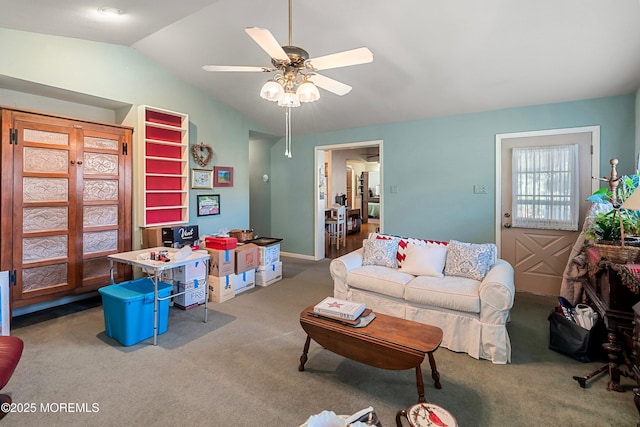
(329,84)
(268,43)
(240,68)
(361,55)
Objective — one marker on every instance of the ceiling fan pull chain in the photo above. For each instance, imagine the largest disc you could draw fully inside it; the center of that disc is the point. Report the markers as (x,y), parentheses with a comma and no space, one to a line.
(289,126)
(287,136)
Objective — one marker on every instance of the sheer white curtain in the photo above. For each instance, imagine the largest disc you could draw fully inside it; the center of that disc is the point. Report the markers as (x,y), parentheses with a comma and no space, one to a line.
(545,187)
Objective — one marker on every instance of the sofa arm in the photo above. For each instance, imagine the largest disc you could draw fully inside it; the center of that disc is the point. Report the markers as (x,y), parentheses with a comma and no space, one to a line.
(339,269)
(497,291)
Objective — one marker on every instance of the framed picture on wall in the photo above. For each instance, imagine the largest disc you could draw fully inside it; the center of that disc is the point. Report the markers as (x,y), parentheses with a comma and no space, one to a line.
(208,204)
(201,178)
(223,176)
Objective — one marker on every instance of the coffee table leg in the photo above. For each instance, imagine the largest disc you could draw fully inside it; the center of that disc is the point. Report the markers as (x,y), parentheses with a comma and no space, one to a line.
(303,357)
(420,385)
(434,371)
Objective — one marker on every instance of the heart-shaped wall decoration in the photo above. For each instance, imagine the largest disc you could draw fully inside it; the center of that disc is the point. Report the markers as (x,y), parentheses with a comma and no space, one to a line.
(202,154)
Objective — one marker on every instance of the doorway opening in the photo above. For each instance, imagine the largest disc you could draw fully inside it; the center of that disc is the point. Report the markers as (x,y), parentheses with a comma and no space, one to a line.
(341,177)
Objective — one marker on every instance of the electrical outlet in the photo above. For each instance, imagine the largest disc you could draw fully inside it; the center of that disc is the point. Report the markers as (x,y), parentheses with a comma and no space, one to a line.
(480,189)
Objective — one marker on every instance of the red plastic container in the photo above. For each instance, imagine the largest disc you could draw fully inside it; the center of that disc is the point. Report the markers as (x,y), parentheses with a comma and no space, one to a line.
(221,242)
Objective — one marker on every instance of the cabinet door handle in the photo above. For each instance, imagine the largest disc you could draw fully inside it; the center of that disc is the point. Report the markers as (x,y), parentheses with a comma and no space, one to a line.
(79,162)
(73,162)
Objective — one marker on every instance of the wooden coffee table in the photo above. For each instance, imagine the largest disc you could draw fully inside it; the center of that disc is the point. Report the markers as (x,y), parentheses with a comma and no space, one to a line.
(387,343)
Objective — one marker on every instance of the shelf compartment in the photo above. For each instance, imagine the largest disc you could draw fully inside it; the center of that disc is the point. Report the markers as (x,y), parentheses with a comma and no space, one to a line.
(163,216)
(165,118)
(155,200)
(163,166)
(164,182)
(163,134)
(164,150)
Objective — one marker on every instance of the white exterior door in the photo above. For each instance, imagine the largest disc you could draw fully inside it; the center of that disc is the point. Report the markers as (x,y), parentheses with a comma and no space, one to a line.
(539,255)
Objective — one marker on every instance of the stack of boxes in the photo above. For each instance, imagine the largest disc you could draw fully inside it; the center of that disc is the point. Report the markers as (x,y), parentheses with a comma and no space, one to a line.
(270,269)
(246,264)
(222,268)
(238,268)
(189,278)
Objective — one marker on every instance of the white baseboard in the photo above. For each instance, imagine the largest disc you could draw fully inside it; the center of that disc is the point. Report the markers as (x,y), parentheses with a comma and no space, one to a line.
(299,256)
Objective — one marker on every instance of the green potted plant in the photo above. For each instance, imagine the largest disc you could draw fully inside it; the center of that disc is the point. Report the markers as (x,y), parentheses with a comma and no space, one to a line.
(613,231)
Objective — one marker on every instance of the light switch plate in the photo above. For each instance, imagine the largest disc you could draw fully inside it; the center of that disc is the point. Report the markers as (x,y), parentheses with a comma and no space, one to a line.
(480,189)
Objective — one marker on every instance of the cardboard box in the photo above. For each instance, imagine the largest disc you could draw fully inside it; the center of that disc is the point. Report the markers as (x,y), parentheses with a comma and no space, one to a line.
(268,274)
(196,270)
(221,242)
(247,258)
(245,281)
(269,254)
(194,296)
(177,237)
(222,262)
(152,237)
(221,288)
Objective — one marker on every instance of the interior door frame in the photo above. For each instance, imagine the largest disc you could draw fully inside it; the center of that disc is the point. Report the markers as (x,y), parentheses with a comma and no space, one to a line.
(595,163)
(318,159)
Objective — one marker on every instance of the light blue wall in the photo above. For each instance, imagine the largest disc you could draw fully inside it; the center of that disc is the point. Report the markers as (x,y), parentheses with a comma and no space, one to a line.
(435,163)
(122,74)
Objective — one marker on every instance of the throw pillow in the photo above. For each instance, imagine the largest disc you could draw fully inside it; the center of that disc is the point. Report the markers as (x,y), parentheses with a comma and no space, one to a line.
(427,260)
(404,242)
(470,260)
(380,252)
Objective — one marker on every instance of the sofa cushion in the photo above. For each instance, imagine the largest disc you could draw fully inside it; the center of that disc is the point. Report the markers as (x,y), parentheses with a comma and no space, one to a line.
(425,260)
(382,280)
(454,293)
(469,260)
(380,252)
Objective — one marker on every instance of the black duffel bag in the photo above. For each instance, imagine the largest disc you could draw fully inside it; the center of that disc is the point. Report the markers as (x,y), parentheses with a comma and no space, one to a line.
(569,338)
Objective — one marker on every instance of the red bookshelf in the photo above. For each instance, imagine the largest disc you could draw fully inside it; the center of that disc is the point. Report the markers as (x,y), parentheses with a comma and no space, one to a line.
(165,165)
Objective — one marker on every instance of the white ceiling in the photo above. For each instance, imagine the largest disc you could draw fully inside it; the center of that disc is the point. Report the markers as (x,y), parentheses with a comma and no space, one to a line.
(431,57)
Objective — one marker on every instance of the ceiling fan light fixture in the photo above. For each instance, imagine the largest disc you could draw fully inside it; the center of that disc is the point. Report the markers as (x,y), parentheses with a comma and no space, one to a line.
(308,92)
(289,99)
(272,91)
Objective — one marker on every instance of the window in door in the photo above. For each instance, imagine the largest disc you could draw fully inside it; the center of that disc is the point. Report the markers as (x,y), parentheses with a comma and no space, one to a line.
(545,187)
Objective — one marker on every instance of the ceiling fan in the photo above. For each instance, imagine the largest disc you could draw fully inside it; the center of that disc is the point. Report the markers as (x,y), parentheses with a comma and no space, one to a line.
(295,65)
(296,80)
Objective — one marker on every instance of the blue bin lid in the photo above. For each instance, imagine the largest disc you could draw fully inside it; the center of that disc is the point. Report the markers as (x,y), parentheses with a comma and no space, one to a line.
(134,290)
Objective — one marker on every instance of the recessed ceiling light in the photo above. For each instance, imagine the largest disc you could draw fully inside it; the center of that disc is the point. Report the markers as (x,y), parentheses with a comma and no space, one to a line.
(110,11)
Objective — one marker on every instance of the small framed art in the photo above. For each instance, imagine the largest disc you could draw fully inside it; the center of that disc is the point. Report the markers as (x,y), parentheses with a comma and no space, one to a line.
(201,178)
(222,176)
(208,204)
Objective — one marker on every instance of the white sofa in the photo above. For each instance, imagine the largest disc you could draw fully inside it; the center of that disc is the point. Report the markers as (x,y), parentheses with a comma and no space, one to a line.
(471,313)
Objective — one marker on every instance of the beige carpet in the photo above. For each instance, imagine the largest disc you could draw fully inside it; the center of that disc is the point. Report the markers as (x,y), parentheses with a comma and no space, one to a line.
(240,369)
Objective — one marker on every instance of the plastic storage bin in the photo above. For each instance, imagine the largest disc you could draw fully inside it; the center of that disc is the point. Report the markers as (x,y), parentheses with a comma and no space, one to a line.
(128,310)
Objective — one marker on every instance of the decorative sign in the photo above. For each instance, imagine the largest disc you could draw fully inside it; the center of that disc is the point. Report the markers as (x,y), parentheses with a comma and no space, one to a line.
(208,204)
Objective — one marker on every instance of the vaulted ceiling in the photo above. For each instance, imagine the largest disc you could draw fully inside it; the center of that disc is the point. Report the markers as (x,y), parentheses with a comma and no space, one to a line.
(431,57)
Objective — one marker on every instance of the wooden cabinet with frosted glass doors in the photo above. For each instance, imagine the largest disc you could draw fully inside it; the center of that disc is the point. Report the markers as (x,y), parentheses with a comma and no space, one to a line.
(66,204)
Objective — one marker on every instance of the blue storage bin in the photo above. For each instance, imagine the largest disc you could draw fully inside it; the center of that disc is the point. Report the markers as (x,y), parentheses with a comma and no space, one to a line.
(128,310)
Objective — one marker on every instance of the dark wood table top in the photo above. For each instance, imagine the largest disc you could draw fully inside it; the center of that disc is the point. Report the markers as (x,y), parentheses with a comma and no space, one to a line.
(405,335)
